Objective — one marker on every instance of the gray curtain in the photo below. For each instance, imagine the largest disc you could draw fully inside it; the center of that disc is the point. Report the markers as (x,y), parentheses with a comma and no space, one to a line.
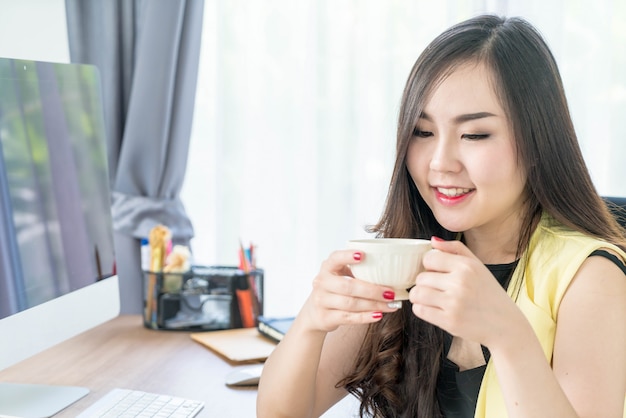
(147,52)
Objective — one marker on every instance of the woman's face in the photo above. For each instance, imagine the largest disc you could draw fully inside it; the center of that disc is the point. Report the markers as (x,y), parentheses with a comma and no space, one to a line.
(462,156)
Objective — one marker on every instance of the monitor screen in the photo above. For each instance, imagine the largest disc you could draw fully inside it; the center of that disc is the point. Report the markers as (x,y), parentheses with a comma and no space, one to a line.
(57,259)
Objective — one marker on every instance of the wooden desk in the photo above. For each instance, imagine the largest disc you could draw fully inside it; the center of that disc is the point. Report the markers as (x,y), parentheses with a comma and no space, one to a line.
(123,353)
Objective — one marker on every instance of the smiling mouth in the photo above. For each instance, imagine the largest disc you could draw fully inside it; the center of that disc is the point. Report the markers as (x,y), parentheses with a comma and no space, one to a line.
(453,191)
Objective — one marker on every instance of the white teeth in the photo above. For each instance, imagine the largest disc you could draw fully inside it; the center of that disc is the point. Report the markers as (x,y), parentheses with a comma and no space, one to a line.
(453,192)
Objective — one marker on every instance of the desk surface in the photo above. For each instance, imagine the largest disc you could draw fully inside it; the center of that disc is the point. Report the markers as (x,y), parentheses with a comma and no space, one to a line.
(123,353)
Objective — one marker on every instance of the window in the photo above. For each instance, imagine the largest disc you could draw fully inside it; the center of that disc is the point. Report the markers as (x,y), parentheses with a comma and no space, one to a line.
(294,129)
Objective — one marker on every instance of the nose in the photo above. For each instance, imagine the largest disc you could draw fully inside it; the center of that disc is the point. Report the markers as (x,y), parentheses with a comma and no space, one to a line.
(445,156)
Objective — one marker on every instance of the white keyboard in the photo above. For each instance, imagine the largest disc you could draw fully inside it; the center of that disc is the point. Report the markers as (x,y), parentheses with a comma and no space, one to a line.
(125,403)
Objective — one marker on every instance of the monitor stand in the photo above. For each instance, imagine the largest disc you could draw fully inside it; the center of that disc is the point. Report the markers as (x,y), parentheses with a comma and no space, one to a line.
(37,401)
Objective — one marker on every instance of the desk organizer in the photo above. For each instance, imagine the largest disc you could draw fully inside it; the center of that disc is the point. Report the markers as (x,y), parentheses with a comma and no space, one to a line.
(204,298)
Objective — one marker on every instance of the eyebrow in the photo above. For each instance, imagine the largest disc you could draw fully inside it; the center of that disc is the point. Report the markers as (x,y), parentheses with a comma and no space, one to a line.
(462,118)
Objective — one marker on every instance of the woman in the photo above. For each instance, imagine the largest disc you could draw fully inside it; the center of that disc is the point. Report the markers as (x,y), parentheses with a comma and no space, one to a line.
(520,311)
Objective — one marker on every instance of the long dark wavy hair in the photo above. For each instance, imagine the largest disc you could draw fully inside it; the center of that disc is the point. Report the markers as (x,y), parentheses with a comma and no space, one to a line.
(395,373)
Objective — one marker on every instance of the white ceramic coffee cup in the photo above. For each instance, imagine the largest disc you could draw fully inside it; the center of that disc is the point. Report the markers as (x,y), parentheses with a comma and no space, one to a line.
(393,262)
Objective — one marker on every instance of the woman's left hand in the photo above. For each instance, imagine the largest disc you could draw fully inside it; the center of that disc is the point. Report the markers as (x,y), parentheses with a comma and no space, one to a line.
(457,293)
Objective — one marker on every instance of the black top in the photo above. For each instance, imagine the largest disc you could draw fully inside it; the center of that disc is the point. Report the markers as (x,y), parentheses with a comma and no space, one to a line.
(457,392)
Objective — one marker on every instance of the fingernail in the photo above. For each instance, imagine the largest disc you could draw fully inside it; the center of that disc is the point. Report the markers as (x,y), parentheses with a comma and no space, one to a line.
(396,304)
(377,315)
(436,238)
(357,256)
(389,295)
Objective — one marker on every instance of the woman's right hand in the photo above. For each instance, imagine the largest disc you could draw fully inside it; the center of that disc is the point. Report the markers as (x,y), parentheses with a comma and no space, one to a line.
(338,298)
(292,387)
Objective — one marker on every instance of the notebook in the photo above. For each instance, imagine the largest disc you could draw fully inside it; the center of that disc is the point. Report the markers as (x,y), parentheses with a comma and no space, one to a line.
(274,328)
(241,345)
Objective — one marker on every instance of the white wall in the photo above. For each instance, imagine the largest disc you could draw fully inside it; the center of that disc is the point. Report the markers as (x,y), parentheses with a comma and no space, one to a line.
(33,30)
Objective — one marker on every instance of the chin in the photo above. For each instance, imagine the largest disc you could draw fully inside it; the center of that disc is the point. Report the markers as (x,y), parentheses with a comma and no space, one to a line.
(452,225)
(454,229)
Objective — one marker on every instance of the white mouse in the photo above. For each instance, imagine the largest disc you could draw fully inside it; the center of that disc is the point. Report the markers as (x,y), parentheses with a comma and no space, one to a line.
(245,375)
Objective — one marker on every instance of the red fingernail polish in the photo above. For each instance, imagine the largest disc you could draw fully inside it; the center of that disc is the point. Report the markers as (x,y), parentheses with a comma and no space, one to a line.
(377,315)
(389,295)
(357,256)
(437,238)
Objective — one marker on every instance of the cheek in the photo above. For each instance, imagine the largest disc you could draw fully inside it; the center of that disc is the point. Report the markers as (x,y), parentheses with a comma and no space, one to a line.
(497,169)
(417,164)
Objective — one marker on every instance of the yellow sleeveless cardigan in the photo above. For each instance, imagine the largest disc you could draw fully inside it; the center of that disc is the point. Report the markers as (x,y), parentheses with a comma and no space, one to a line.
(539,282)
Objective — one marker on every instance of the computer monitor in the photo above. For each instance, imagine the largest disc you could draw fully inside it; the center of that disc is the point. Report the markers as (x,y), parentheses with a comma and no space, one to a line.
(57,260)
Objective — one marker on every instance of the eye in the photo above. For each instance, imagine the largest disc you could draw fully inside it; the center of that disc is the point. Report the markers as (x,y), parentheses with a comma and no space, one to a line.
(421,134)
(475,137)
